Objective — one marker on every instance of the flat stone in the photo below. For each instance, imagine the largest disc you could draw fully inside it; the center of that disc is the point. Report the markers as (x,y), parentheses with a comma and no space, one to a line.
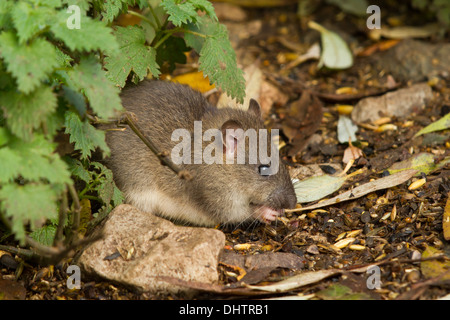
(138,247)
(400,103)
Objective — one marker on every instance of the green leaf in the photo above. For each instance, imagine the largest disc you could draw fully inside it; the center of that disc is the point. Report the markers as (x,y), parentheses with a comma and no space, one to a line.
(89,77)
(9,168)
(38,161)
(28,203)
(335,52)
(92,35)
(441,124)
(180,13)
(205,6)
(29,19)
(218,61)
(84,135)
(133,55)
(6,6)
(44,235)
(356,7)
(318,187)
(29,63)
(112,8)
(27,112)
(77,169)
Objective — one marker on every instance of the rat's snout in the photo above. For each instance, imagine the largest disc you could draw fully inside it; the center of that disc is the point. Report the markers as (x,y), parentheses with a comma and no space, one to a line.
(283,199)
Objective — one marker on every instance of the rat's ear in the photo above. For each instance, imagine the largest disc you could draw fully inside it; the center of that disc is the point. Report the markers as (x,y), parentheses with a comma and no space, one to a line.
(254,108)
(232,132)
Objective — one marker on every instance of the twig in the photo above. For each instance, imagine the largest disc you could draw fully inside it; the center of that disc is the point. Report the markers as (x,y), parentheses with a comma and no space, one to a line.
(129,118)
(57,241)
(75,214)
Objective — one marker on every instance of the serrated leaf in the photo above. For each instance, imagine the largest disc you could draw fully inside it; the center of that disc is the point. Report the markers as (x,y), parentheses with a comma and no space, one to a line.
(6,6)
(315,188)
(133,55)
(335,51)
(88,77)
(26,112)
(112,8)
(217,58)
(29,63)
(8,168)
(92,34)
(44,235)
(38,161)
(84,135)
(29,19)
(27,203)
(180,13)
(77,169)
(441,124)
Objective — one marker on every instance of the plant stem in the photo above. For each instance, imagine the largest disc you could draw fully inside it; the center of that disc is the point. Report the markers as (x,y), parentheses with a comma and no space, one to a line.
(141,16)
(154,16)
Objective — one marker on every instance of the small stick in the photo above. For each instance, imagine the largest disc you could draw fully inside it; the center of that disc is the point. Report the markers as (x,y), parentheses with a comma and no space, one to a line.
(129,118)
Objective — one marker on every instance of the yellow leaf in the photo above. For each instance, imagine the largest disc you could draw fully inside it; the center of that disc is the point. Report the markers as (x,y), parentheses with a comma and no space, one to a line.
(196,80)
(434,268)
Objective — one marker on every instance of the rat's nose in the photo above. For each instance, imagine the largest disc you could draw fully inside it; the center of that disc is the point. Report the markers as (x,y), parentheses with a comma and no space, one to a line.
(284,198)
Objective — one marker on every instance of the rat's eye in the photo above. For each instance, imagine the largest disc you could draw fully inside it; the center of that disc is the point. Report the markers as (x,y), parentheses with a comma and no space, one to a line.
(264,170)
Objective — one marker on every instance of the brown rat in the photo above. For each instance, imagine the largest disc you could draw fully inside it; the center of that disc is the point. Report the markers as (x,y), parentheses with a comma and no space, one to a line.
(218,193)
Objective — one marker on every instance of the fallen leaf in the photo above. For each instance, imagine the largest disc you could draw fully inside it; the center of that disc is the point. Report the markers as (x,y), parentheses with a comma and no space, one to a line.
(405,32)
(195,80)
(315,188)
(441,124)
(351,153)
(335,51)
(422,162)
(434,268)
(382,183)
(346,129)
(297,281)
(301,122)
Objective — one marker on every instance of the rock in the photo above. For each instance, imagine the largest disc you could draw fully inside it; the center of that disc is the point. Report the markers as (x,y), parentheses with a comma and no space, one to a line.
(414,60)
(137,247)
(399,103)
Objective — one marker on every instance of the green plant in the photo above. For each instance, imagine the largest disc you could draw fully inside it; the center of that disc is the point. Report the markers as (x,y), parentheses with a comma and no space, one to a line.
(56,78)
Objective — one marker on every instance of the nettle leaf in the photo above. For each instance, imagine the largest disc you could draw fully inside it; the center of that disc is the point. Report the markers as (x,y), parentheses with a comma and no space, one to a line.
(26,112)
(29,63)
(89,77)
(92,34)
(133,55)
(36,161)
(180,13)
(6,7)
(185,12)
(29,19)
(112,8)
(8,168)
(82,4)
(44,235)
(28,203)
(217,58)
(84,135)
(77,169)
